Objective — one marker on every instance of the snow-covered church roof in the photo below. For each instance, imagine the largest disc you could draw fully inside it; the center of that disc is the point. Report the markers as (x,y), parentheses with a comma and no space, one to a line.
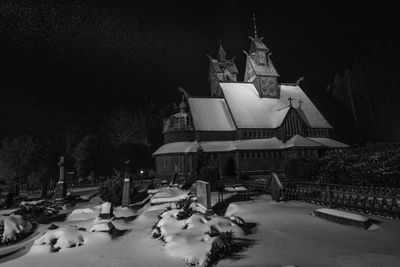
(211,114)
(272,143)
(250,111)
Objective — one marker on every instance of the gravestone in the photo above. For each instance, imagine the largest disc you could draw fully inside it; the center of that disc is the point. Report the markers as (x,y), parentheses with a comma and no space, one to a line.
(125,193)
(106,211)
(275,187)
(60,192)
(203,193)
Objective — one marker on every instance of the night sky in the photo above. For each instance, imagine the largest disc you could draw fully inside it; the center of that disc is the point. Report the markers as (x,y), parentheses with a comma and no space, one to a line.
(90,57)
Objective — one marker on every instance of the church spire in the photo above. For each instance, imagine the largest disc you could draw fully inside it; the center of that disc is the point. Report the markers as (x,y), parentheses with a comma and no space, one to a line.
(255,26)
(221,52)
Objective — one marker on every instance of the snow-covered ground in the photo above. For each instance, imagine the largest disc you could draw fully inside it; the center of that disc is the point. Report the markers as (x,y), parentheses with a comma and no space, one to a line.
(167,195)
(285,234)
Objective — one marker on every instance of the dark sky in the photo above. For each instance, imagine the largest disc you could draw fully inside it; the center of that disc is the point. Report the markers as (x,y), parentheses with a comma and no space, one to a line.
(92,56)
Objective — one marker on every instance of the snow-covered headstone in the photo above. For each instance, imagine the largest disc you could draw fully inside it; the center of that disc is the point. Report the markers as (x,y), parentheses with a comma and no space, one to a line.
(203,193)
(106,211)
(125,193)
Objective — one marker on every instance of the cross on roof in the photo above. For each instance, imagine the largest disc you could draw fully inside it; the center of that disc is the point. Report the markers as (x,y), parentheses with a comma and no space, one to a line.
(300,102)
(290,100)
(255,26)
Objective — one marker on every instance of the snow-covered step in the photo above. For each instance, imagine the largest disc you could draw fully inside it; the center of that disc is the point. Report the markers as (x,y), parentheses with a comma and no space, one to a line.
(343,217)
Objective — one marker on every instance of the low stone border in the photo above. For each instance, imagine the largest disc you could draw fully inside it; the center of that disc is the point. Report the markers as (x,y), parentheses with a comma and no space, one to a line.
(343,217)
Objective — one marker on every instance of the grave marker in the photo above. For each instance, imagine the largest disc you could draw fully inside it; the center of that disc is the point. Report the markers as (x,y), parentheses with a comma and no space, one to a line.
(125,193)
(203,193)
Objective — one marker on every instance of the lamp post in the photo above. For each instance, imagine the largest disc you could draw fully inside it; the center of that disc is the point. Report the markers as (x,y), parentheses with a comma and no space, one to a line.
(141,175)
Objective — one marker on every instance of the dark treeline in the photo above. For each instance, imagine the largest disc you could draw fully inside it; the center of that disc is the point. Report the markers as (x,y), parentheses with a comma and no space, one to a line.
(90,152)
(367,93)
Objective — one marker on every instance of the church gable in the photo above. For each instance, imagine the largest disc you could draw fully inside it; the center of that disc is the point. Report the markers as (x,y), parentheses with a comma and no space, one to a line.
(292,125)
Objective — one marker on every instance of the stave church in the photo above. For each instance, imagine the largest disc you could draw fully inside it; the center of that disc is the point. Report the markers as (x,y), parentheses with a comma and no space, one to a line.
(255,125)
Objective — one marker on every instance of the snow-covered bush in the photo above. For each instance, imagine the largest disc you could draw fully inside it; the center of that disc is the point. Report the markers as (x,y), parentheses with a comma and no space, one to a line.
(197,238)
(14,228)
(37,211)
(61,238)
(370,165)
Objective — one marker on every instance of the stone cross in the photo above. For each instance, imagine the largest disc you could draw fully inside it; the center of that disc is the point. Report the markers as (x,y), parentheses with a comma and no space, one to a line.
(290,100)
(300,102)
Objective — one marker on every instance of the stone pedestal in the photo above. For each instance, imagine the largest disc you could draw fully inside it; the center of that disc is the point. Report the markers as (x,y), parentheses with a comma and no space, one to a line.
(125,193)
(60,192)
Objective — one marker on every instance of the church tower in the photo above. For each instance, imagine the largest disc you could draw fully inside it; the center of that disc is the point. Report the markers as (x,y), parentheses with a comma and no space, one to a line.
(221,70)
(259,67)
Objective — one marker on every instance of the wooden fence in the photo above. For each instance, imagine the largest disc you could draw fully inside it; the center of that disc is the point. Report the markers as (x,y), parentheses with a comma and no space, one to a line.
(370,200)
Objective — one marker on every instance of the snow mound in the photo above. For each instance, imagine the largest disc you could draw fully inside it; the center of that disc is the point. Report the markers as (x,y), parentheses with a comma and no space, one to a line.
(232,209)
(14,225)
(167,195)
(31,203)
(123,212)
(102,227)
(62,238)
(81,214)
(81,211)
(194,238)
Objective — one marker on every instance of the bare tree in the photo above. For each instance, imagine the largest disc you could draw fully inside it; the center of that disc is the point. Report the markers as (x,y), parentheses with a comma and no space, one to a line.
(123,127)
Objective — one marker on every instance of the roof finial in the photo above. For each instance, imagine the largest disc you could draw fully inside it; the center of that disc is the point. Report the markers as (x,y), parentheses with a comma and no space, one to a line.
(255,26)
